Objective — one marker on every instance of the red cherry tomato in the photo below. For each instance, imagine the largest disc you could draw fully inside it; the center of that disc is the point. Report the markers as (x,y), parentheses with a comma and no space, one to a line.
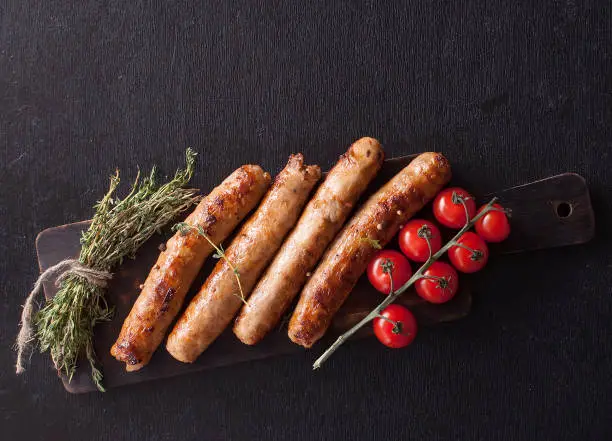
(493,226)
(449,211)
(397,329)
(439,284)
(412,241)
(386,261)
(471,253)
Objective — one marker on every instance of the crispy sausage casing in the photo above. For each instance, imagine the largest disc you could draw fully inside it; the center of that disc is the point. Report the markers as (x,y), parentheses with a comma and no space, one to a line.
(170,278)
(213,308)
(348,256)
(321,220)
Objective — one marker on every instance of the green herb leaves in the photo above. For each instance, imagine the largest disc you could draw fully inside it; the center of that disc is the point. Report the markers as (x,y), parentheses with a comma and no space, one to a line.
(372,242)
(65,325)
(185,228)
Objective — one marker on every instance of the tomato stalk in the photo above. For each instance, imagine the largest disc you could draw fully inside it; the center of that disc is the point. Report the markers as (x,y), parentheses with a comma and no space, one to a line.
(459,199)
(476,254)
(425,233)
(442,281)
(387,267)
(393,295)
(397,326)
(506,211)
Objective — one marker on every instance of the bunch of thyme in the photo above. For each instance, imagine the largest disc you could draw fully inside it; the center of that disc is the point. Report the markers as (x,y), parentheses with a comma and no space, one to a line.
(65,325)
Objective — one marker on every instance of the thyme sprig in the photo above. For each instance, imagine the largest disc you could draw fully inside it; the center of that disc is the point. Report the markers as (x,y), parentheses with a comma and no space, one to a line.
(64,326)
(393,295)
(184,228)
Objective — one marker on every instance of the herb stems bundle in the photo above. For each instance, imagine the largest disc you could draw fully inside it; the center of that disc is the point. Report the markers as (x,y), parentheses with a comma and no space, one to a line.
(65,325)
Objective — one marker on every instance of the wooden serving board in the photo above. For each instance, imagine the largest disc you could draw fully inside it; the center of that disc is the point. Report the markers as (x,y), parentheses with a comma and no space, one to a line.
(548,213)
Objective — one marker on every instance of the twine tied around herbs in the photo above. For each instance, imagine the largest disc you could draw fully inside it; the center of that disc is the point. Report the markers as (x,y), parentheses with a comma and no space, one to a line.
(59,272)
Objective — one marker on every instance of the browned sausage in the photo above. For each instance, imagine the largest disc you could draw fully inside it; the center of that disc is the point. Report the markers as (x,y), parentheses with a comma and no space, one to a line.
(348,256)
(168,282)
(218,300)
(321,220)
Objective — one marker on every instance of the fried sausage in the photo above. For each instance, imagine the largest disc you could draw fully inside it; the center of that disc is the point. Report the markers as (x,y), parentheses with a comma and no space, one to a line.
(213,308)
(321,220)
(348,256)
(168,282)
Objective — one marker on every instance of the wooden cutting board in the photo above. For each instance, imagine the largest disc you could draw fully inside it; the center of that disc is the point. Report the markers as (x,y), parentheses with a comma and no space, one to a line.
(552,212)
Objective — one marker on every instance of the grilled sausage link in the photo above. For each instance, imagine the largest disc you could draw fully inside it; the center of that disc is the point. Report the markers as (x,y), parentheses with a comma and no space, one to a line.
(170,278)
(348,256)
(321,220)
(213,308)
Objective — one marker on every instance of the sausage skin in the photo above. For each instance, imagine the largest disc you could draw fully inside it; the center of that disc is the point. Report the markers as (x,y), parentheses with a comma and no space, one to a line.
(165,288)
(321,220)
(213,308)
(348,256)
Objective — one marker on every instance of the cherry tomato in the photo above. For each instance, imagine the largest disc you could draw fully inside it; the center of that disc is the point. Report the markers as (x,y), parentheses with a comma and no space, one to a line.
(412,241)
(439,284)
(397,329)
(472,259)
(449,211)
(387,263)
(493,226)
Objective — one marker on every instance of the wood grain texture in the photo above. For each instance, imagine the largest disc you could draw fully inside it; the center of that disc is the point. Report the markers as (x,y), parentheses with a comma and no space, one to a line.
(536,224)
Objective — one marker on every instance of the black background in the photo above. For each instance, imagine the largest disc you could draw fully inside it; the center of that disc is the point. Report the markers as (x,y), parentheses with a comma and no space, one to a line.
(510,91)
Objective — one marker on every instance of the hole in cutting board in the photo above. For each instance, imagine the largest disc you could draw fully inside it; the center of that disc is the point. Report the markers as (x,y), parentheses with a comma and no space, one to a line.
(564,209)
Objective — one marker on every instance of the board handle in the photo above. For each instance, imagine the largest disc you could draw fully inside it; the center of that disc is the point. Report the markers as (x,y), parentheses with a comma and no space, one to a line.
(548,213)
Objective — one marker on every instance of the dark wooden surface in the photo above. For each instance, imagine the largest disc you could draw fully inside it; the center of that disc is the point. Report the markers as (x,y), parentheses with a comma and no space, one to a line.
(536,224)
